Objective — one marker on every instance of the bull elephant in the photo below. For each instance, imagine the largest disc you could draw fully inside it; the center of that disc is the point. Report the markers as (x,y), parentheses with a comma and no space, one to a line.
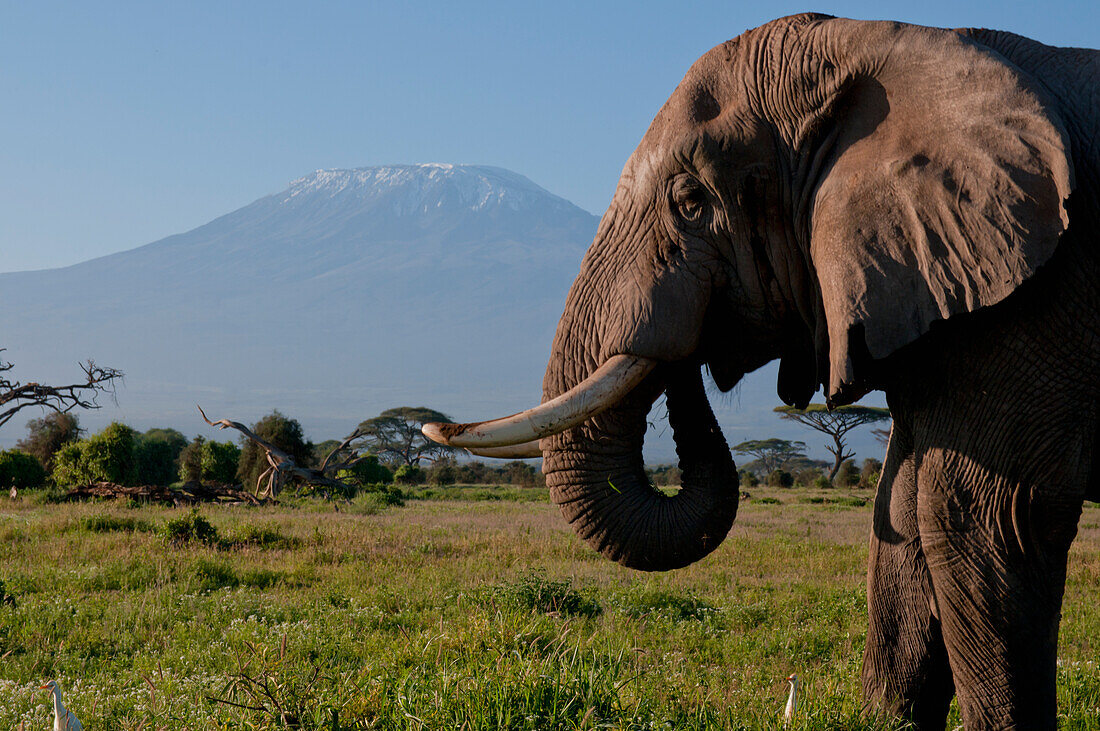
(879,206)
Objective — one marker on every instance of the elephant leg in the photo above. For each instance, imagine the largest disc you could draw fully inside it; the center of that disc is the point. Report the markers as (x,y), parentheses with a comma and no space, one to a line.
(905,667)
(997,552)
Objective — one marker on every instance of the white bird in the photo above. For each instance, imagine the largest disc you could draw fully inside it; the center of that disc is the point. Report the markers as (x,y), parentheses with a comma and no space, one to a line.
(792,701)
(63,718)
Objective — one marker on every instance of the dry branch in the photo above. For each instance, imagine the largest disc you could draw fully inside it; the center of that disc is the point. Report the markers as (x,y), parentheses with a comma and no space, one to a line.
(16,396)
(282,467)
(187,494)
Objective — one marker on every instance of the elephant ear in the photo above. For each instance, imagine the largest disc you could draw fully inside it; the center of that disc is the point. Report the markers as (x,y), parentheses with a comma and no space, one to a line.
(943,190)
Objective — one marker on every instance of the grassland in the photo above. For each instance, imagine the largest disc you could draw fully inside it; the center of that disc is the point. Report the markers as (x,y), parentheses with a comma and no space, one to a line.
(450,613)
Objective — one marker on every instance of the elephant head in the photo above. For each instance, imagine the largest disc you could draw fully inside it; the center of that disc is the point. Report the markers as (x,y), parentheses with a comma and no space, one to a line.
(817,190)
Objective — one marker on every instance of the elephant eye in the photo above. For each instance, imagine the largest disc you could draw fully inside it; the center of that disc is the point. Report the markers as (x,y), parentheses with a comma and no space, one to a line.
(689,198)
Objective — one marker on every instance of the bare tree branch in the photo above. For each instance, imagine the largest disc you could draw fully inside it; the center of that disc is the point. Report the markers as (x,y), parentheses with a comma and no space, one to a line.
(16,396)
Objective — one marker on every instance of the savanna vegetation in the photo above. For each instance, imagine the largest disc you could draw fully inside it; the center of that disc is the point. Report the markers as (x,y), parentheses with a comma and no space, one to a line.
(456,611)
(434,594)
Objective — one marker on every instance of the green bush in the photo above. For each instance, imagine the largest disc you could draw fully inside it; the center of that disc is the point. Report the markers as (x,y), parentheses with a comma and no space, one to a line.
(780,478)
(219,461)
(209,461)
(189,528)
(808,477)
(47,435)
(282,431)
(20,470)
(869,474)
(443,472)
(106,457)
(367,471)
(748,479)
(535,592)
(822,483)
(848,476)
(408,474)
(524,475)
(155,455)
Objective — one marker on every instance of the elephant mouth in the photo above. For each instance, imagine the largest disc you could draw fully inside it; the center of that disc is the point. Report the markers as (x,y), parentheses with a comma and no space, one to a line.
(592,450)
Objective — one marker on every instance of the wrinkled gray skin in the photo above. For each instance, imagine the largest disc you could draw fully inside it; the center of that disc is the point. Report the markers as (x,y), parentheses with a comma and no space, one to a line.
(882,206)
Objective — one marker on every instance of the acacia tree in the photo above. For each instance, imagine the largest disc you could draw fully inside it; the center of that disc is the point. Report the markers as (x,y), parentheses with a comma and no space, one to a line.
(16,396)
(771,453)
(395,436)
(836,423)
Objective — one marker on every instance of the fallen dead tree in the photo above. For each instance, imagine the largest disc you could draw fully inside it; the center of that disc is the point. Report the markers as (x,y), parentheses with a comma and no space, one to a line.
(189,493)
(282,468)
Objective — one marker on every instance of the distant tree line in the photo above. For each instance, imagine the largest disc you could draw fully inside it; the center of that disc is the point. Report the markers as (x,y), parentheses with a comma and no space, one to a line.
(392,449)
(57,451)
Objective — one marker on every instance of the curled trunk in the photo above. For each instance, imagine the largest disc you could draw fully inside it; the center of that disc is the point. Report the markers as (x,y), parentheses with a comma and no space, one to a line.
(596,475)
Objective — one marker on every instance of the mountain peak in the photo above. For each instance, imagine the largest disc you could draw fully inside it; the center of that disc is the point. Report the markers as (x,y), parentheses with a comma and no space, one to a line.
(412,189)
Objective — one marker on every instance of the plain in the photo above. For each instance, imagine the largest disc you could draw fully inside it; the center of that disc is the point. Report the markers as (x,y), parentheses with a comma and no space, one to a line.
(469,608)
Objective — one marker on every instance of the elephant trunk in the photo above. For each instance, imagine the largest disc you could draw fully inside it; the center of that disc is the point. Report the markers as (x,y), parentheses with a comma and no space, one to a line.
(596,475)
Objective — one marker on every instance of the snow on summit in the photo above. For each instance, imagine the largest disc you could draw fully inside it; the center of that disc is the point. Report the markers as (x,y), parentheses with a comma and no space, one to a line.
(412,189)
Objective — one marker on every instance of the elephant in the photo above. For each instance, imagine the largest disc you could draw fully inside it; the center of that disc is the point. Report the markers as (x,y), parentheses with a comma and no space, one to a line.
(879,206)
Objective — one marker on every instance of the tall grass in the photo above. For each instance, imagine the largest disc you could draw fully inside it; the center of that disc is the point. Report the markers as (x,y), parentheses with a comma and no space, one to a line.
(448,614)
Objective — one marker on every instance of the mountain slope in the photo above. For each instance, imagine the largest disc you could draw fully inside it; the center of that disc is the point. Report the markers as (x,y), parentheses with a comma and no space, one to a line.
(347,293)
(350,292)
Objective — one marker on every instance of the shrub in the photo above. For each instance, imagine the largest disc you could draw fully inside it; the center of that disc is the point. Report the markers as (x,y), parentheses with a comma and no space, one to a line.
(47,435)
(189,528)
(523,474)
(535,592)
(780,478)
(848,476)
(20,470)
(209,461)
(749,479)
(822,482)
(868,476)
(190,461)
(384,494)
(219,461)
(155,455)
(367,471)
(106,457)
(808,477)
(665,475)
(286,434)
(443,472)
(408,475)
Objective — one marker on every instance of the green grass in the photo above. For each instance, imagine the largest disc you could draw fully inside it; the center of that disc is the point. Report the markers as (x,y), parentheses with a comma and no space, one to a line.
(469,612)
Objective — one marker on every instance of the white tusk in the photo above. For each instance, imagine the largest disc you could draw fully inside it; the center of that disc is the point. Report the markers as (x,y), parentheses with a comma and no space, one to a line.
(607,386)
(527,450)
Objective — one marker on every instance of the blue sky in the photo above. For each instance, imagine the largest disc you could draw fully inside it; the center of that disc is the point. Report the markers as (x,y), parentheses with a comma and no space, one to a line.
(127,122)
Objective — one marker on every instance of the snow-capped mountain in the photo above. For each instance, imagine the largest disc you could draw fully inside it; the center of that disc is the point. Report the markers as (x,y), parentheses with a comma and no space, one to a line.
(347,293)
(350,292)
